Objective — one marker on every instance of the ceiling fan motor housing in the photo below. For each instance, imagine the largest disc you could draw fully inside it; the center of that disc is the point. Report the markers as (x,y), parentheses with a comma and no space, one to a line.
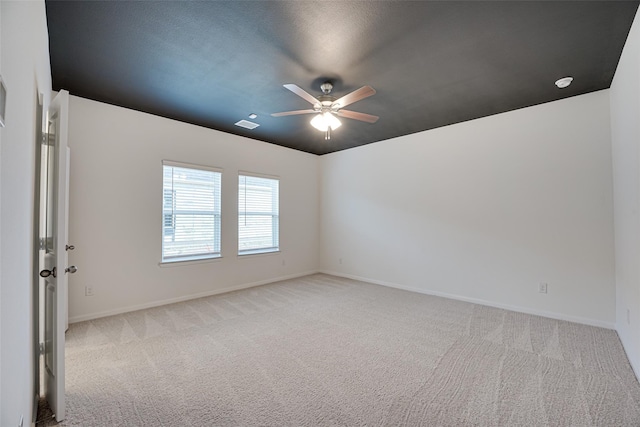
(325,103)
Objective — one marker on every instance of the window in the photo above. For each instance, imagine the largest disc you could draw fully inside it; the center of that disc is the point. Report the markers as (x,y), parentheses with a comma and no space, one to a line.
(190,212)
(258,220)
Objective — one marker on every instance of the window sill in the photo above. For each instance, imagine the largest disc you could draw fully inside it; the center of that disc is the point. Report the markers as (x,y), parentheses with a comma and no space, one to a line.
(258,254)
(181,263)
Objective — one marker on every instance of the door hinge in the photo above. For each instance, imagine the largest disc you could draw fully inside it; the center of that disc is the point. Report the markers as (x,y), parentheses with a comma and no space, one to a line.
(48,139)
(43,243)
(41,348)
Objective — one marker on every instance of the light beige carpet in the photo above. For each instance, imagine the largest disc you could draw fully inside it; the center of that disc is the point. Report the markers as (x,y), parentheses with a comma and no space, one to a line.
(322,350)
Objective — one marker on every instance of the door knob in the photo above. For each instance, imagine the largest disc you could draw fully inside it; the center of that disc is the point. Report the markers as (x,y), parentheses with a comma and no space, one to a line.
(47,273)
(71,269)
(69,247)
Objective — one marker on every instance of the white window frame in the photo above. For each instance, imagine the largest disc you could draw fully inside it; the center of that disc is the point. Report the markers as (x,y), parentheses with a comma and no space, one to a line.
(188,259)
(275,217)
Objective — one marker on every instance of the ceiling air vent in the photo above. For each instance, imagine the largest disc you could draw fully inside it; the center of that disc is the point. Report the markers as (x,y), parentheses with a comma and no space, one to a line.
(247,124)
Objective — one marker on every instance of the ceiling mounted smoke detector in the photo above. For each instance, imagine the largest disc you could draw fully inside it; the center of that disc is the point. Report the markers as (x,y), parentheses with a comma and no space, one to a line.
(564,82)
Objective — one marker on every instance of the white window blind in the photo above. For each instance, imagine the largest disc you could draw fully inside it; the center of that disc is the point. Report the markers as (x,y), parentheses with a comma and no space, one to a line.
(258,217)
(190,213)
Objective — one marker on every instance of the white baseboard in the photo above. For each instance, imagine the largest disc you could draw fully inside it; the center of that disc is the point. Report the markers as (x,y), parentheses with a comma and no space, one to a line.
(34,412)
(91,316)
(527,310)
(630,356)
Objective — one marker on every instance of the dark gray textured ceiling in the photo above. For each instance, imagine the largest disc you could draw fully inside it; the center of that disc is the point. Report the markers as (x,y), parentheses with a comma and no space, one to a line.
(432,63)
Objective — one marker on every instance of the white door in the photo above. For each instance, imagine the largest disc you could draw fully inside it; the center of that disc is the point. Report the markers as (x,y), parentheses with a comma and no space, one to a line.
(55,268)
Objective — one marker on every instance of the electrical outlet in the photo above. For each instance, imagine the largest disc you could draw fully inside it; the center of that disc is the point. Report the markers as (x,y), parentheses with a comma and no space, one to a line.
(542,288)
(628,316)
(340,261)
(88,291)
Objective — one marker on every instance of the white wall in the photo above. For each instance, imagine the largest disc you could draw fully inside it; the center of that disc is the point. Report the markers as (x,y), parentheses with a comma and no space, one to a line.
(1,132)
(625,134)
(24,66)
(483,210)
(116,201)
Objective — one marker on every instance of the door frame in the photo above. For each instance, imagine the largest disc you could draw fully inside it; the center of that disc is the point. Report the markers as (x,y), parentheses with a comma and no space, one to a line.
(37,244)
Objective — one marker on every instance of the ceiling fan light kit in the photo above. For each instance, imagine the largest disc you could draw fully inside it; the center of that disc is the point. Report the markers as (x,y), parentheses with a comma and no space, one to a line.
(324,121)
(326,107)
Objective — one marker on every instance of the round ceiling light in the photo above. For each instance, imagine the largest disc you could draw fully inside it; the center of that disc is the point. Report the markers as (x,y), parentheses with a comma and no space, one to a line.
(564,82)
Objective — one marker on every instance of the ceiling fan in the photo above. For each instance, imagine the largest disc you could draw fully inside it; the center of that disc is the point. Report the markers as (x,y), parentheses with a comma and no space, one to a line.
(327,107)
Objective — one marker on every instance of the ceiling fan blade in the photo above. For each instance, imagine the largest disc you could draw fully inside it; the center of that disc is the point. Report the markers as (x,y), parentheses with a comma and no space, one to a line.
(302,93)
(369,118)
(293,113)
(356,95)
